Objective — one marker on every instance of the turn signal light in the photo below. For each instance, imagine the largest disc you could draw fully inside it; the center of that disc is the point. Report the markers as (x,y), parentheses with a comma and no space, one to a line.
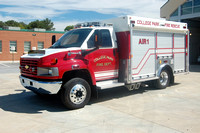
(54,61)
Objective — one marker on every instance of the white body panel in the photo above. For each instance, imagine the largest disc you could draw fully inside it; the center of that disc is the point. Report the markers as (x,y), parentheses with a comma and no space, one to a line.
(143,60)
(154,43)
(179,50)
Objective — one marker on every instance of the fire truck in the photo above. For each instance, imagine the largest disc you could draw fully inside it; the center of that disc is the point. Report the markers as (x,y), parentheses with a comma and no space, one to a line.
(125,51)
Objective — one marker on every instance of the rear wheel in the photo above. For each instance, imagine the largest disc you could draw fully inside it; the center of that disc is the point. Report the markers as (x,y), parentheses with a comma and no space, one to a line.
(75,93)
(163,80)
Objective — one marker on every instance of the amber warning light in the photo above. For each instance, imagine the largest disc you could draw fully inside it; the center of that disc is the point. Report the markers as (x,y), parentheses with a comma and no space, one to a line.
(54,61)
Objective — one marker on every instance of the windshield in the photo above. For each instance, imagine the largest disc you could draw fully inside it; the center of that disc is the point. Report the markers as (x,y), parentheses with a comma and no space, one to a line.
(73,38)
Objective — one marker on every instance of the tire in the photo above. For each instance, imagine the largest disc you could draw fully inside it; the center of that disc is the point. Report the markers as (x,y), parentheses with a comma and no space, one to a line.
(163,80)
(75,93)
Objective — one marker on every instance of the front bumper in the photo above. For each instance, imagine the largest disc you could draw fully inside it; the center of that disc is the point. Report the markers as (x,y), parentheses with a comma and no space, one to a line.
(41,86)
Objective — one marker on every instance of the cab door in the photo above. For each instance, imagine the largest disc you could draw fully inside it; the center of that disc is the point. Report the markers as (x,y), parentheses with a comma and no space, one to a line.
(104,61)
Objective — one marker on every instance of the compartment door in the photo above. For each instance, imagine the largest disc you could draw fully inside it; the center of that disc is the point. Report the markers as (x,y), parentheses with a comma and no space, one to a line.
(179,53)
(143,54)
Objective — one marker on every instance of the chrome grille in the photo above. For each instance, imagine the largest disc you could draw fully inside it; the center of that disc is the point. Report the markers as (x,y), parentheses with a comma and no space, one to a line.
(29,66)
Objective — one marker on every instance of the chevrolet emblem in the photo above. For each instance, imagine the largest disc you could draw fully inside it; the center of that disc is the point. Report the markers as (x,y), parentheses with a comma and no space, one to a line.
(27,67)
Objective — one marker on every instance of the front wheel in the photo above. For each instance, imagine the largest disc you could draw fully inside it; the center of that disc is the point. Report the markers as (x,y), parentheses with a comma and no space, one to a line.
(75,93)
(163,80)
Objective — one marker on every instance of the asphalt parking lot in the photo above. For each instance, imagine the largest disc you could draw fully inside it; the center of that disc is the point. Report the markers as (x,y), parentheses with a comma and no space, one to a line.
(175,109)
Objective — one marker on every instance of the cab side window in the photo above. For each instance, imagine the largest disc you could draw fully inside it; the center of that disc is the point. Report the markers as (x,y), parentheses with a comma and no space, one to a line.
(90,42)
(105,39)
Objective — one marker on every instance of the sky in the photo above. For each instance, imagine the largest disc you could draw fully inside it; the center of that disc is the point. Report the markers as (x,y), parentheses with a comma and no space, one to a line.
(69,12)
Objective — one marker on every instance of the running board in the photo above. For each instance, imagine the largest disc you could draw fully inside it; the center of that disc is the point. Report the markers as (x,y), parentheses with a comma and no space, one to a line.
(108,84)
(114,83)
(145,79)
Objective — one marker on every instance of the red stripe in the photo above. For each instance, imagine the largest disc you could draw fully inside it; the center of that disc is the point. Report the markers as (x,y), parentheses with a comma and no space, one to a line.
(153,54)
(171,48)
(109,71)
(156,44)
(156,54)
(171,53)
(105,78)
(186,43)
(144,57)
(143,64)
(179,53)
(173,44)
(179,48)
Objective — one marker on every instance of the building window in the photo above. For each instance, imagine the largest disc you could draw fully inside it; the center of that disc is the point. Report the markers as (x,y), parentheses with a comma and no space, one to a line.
(27,46)
(186,11)
(186,8)
(187,4)
(40,45)
(175,13)
(196,2)
(13,46)
(0,46)
(196,9)
(196,6)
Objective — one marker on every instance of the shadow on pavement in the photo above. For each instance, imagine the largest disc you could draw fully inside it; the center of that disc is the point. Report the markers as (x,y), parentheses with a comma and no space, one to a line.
(28,102)
(194,68)
(119,92)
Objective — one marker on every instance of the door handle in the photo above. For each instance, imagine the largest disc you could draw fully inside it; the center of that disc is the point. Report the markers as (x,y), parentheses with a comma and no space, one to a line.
(114,52)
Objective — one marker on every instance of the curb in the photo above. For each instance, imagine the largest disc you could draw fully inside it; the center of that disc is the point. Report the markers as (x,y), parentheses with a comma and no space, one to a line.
(9,61)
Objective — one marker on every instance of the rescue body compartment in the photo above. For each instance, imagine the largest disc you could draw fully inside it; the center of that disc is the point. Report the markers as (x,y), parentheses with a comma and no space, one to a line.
(146,46)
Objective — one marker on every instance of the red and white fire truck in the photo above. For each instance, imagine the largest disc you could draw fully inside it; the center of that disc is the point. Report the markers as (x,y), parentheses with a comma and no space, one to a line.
(124,51)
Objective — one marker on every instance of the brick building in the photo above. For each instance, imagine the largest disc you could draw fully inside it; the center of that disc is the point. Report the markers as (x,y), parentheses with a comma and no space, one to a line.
(15,42)
(187,11)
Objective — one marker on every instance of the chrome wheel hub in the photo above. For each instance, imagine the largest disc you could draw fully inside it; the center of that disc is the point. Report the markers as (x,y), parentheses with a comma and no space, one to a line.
(78,94)
(163,78)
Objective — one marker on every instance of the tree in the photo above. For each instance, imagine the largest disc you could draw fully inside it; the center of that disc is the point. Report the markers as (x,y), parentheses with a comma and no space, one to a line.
(2,24)
(34,24)
(68,28)
(45,24)
(22,25)
(12,23)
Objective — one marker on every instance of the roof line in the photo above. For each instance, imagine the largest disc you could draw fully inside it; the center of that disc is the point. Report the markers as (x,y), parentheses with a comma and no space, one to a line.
(25,30)
(165,4)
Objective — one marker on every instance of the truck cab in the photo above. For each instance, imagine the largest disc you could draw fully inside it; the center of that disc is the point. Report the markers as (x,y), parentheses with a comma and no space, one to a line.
(81,58)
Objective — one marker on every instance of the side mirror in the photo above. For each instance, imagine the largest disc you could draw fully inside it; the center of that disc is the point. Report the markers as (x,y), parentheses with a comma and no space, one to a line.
(97,38)
(53,39)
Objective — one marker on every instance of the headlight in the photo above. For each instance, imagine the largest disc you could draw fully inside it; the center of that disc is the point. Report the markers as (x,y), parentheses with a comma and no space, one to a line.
(47,71)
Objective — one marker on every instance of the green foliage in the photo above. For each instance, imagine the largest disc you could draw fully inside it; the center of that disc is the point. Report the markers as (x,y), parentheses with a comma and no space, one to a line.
(12,23)
(47,24)
(68,28)
(34,24)
(22,25)
(2,24)
(44,24)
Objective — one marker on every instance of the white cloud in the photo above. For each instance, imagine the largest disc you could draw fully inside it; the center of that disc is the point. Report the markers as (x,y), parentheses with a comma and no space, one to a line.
(36,12)
(6,18)
(51,8)
(60,26)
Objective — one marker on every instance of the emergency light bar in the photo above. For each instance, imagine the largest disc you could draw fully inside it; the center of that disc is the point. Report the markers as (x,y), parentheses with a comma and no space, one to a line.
(92,24)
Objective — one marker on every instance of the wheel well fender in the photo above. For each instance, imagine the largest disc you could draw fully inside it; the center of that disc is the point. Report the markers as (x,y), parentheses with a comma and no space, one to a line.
(169,69)
(83,73)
